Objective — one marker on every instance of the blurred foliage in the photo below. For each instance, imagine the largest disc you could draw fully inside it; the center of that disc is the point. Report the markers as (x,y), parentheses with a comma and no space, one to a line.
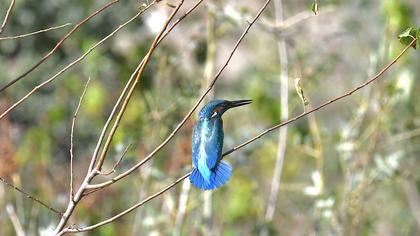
(350,169)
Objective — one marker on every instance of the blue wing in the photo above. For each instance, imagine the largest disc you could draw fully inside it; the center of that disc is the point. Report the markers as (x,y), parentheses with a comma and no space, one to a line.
(207,145)
(196,140)
(214,142)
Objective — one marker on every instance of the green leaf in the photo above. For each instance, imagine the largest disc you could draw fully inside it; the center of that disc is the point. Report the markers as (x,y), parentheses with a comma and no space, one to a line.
(314,8)
(409,35)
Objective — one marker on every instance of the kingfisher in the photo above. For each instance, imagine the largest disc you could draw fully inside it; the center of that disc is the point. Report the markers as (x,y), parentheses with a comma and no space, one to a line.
(209,172)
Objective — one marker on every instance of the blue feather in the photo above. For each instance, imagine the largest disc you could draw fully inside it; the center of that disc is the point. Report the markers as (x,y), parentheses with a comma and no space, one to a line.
(220,174)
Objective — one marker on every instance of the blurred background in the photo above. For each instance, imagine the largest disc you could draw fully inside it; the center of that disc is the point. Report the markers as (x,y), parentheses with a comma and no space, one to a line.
(348,169)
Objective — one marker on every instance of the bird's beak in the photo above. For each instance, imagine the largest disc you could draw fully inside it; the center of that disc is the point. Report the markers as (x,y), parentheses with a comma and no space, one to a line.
(238,103)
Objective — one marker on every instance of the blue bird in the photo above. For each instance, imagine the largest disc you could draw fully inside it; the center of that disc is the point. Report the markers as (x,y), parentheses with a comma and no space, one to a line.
(209,171)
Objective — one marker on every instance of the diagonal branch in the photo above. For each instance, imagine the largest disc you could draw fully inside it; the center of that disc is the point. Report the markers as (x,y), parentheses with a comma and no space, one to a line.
(58,45)
(6,17)
(157,149)
(34,33)
(30,197)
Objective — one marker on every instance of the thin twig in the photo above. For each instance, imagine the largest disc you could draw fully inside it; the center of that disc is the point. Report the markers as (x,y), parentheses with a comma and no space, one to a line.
(73,122)
(30,196)
(187,116)
(242,145)
(58,45)
(6,17)
(51,79)
(118,162)
(34,33)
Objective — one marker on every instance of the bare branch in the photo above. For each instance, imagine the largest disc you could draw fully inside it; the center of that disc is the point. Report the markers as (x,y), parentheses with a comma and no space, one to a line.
(6,17)
(30,196)
(51,79)
(148,157)
(73,122)
(58,45)
(34,33)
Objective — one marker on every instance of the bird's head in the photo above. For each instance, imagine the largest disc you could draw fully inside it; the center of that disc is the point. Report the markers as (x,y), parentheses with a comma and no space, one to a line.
(216,108)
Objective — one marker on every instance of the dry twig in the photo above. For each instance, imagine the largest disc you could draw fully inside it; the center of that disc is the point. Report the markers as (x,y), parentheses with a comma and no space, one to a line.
(6,17)
(30,196)
(73,122)
(34,33)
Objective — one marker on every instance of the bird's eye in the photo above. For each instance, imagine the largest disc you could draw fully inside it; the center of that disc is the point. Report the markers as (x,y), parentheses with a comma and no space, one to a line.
(214,114)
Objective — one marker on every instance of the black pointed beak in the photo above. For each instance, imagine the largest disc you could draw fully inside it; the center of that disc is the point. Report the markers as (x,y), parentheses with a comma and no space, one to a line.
(238,103)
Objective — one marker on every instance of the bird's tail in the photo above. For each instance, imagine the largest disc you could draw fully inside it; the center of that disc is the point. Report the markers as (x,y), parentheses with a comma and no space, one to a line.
(219,176)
